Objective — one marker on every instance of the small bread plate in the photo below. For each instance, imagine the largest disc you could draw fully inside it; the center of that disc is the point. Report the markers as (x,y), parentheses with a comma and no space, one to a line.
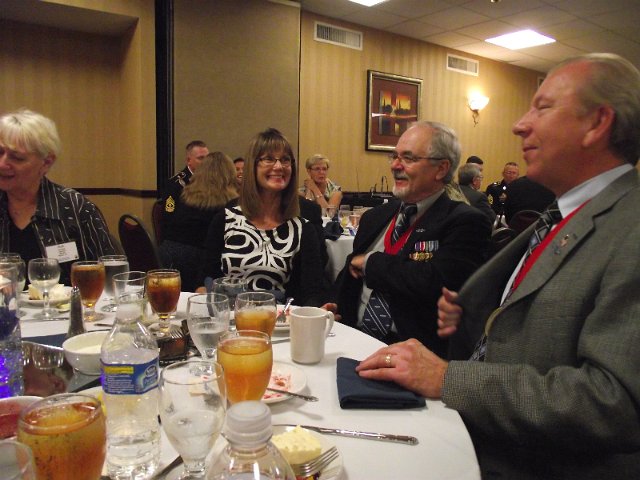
(284,376)
(331,471)
(53,301)
(283,326)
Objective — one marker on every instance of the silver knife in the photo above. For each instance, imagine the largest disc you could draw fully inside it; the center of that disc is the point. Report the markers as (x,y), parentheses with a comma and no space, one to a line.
(383,437)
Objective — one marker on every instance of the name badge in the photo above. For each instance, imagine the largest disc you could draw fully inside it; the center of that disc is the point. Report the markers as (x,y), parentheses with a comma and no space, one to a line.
(63,252)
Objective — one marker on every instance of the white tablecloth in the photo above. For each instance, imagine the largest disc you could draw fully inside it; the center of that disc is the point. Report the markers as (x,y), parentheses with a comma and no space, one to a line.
(338,250)
(445,450)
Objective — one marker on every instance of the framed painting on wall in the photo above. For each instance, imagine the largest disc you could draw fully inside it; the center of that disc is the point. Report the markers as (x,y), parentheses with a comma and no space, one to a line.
(393,102)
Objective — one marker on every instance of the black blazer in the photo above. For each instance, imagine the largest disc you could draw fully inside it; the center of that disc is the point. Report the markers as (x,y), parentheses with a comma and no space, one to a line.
(413,285)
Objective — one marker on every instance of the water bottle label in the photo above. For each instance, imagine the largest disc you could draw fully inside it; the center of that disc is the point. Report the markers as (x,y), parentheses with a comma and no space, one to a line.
(134,379)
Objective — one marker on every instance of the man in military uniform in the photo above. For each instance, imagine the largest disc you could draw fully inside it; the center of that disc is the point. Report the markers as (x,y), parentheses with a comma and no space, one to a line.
(497,191)
(196,152)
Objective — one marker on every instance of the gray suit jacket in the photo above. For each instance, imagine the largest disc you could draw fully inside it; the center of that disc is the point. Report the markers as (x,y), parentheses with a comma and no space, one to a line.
(559,393)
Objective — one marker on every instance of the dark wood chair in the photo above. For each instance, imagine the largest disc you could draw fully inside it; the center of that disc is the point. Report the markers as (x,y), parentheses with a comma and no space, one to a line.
(138,245)
(500,238)
(522,219)
(156,219)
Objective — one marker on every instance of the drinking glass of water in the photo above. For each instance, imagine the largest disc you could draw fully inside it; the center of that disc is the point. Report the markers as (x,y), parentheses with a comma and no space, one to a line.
(44,274)
(14,259)
(193,401)
(113,264)
(207,318)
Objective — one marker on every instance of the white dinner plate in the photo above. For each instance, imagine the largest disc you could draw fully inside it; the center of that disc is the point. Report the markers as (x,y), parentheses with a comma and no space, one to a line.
(284,376)
(24,297)
(331,471)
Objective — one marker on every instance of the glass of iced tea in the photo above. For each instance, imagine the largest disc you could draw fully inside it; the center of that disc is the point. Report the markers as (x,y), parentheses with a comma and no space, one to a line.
(246,357)
(163,293)
(89,278)
(256,311)
(67,436)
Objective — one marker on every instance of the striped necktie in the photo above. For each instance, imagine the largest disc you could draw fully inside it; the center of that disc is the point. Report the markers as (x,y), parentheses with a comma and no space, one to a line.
(547,220)
(407,210)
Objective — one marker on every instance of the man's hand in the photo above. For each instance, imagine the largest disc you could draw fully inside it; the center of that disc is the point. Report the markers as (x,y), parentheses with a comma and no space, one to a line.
(410,364)
(449,313)
(333,308)
(356,266)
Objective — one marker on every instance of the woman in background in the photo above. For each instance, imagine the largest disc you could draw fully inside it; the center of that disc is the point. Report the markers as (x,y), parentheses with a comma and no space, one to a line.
(318,188)
(263,239)
(185,224)
(39,218)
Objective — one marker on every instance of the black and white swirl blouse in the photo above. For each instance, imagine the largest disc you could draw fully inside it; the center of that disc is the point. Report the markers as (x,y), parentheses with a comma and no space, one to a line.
(286,258)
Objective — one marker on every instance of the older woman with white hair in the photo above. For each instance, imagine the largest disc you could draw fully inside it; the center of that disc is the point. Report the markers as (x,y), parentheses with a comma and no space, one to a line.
(39,218)
(318,188)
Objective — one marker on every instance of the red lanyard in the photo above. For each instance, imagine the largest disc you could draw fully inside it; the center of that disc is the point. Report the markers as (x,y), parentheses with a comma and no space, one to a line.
(394,248)
(538,251)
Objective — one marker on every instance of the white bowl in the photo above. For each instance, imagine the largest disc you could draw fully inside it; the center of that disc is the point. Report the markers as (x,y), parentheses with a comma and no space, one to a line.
(83,351)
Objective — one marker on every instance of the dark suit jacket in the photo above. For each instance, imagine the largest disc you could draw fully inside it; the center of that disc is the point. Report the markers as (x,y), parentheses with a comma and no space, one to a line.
(559,393)
(413,287)
(525,194)
(479,200)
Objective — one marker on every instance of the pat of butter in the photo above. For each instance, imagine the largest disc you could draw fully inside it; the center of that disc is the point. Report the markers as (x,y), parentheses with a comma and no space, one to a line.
(58,292)
(297,445)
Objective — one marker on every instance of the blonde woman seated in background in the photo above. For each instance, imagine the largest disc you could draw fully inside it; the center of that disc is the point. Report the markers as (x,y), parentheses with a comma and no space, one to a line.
(185,222)
(318,188)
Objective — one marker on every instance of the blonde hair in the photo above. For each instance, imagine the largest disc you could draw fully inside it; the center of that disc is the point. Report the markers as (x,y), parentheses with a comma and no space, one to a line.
(213,184)
(264,143)
(316,159)
(30,130)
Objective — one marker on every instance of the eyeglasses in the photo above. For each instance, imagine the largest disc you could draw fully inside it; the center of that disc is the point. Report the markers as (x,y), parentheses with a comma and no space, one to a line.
(407,159)
(268,161)
(319,169)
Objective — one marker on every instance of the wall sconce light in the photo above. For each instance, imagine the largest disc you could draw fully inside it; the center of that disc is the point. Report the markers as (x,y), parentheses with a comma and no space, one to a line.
(477,103)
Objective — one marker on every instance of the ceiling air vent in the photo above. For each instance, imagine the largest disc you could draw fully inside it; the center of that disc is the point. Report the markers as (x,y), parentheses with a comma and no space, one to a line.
(463,65)
(342,37)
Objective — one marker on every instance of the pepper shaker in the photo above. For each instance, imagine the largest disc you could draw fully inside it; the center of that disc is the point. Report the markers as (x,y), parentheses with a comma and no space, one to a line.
(76,324)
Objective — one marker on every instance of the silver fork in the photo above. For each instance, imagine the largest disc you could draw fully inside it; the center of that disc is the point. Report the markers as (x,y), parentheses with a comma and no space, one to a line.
(316,465)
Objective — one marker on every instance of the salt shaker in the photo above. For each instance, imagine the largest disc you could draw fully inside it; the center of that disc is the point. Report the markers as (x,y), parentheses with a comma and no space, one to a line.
(76,325)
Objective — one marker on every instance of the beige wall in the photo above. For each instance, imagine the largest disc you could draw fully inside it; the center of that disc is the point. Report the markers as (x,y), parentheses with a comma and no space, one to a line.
(100,91)
(236,72)
(333,83)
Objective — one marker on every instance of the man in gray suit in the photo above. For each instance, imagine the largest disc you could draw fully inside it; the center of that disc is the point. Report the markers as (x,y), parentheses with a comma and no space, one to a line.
(469,179)
(556,393)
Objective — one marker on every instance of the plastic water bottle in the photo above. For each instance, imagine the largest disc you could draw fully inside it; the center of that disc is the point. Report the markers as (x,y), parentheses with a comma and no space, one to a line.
(11,380)
(250,455)
(129,357)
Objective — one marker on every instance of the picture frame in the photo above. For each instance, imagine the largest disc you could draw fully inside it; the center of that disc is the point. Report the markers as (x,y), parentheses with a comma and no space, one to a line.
(393,102)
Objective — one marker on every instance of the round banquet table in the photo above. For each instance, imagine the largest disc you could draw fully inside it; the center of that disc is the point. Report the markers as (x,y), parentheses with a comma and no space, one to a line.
(444,451)
(337,252)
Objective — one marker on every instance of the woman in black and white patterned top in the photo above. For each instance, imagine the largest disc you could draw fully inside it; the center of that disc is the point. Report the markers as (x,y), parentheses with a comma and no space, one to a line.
(39,218)
(263,239)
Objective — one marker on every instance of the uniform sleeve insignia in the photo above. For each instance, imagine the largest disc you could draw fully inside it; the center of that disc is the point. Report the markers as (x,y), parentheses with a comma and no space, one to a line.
(169,204)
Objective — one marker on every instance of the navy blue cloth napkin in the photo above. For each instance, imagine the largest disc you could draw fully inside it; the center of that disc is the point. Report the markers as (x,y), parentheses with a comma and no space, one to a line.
(54,340)
(357,392)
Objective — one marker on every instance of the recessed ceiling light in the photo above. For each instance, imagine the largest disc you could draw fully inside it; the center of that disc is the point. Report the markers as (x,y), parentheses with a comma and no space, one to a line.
(521,39)
(367,3)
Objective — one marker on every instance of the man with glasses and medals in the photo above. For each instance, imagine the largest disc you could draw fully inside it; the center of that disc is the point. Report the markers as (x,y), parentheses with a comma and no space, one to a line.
(408,249)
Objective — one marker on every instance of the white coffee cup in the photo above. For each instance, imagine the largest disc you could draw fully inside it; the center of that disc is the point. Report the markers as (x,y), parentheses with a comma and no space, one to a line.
(309,327)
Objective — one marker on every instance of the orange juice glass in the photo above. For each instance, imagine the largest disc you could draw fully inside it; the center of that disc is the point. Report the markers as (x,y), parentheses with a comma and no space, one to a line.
(256,311)
(246,357)
(67,436)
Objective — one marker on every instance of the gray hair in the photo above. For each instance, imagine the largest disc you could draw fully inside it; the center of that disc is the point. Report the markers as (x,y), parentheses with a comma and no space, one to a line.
(31,131)
(444,144)
(613,81)
(467,173)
